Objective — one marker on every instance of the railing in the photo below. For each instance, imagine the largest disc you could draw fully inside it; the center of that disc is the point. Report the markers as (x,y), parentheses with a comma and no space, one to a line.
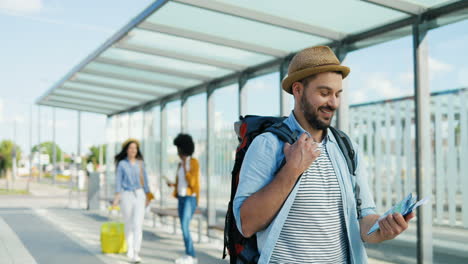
(385,132)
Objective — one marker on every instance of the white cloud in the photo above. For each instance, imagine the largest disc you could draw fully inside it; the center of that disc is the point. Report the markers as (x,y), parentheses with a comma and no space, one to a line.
(381,86)
(438,67)
(22,6)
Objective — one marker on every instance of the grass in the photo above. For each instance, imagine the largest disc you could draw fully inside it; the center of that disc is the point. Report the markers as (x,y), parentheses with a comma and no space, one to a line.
(12,192)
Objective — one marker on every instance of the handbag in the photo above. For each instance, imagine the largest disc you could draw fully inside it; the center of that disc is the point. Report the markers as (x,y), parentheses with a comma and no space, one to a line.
(149,195)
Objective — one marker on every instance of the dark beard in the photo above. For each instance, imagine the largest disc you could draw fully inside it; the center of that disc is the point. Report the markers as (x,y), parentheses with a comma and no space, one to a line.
(311,115)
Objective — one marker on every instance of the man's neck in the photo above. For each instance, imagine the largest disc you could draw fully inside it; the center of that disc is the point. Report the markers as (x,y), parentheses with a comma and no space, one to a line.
(317,134)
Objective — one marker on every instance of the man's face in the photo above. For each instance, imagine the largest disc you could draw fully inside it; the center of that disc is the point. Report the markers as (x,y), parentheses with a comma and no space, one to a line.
(320,99)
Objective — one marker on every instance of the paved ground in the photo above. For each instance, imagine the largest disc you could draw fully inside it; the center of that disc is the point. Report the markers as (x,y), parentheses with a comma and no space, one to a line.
(51,225)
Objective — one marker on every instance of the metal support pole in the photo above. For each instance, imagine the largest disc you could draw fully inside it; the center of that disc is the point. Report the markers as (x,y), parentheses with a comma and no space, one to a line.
(184,114)
(30,147)
(343,111)
(13,158)
(285,107)
(210,114)
(54,149)
(78,158)
(423,147)
(39,142)
(163,151)
(242,95)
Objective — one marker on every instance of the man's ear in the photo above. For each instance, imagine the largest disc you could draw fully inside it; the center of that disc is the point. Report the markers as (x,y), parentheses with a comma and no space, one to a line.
(297,89)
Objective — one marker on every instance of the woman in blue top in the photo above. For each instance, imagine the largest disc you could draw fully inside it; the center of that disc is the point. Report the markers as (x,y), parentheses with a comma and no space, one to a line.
(131,186)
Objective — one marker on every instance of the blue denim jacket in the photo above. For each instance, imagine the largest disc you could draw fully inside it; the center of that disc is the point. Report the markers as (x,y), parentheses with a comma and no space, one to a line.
(260,165)
(128,176)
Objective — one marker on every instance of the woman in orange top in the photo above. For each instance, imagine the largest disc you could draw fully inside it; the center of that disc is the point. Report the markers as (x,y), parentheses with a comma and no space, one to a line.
(187,191)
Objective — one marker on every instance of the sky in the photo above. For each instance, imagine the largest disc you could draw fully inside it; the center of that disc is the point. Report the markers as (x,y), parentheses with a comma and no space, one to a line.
(43,40)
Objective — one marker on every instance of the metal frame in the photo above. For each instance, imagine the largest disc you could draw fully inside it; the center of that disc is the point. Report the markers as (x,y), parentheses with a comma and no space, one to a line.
(420,25)
(181,57)
(399,5)
(117,36)
(347,42)
(160,70)
(103,91)
(80,108)
(110,103)
(213,39)
(114,87)
(423,143)
(134,79)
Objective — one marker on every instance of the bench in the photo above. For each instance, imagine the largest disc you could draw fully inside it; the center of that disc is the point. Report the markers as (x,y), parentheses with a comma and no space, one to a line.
(172,212)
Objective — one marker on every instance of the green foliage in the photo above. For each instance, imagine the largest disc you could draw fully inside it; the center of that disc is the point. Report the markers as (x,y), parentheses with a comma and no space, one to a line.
(6,148)
(47,148)
(94,154)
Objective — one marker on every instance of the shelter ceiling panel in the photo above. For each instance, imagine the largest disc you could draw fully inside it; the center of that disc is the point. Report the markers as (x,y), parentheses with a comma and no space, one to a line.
(137,76)
(338,16)
(96,97)
(171,81)
(86,101)
(189,47)
(159,61)
(203,21)
(86,88)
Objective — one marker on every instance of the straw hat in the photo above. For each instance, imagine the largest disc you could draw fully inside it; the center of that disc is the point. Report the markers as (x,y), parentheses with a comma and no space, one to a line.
(128,141)
(311,61)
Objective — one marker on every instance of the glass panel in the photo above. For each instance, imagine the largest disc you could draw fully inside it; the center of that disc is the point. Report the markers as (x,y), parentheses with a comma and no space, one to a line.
(197,128)
(325,13)
(73,93)
(448,76)
(134,73)
(233,28)
(132,84)
(121,83)
(194,47)
(123,130)
(262,95)
(172,159)
(69,86)
(111,151)
(381,122)
(226,109)
(136,125)
(153,60)
(148,143)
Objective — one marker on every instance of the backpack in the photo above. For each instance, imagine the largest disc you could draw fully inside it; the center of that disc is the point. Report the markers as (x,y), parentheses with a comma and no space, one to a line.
(247,128)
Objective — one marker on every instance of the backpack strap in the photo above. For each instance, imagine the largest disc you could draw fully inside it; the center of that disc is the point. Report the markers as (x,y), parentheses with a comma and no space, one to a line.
(283,132)
(347,149)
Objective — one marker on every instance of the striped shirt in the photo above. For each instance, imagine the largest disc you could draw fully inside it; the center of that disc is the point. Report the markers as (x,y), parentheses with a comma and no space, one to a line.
(315,229)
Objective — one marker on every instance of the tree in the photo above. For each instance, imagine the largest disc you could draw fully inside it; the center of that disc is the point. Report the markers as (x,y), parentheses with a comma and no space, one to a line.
(94,154)
(47,148)
(6,151)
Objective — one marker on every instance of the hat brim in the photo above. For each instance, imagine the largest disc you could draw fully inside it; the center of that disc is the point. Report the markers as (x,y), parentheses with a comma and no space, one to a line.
(299,75)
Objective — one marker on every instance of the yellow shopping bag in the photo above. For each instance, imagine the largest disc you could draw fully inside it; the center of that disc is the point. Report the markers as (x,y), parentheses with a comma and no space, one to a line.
(113,237)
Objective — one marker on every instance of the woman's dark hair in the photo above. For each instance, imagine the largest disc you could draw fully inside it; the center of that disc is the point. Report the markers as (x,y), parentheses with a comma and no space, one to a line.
(123,153)
(185,144)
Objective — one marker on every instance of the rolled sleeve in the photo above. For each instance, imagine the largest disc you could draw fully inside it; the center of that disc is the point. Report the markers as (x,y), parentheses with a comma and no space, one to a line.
(119,178)
(258,169)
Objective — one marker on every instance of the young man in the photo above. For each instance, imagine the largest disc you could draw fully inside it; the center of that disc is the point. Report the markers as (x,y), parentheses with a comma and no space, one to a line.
(305,212)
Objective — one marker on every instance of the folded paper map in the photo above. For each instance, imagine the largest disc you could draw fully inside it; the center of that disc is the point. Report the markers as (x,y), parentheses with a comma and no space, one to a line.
(405,207)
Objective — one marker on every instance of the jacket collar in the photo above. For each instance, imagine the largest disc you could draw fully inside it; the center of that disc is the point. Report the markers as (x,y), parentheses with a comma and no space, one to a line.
(291,121)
